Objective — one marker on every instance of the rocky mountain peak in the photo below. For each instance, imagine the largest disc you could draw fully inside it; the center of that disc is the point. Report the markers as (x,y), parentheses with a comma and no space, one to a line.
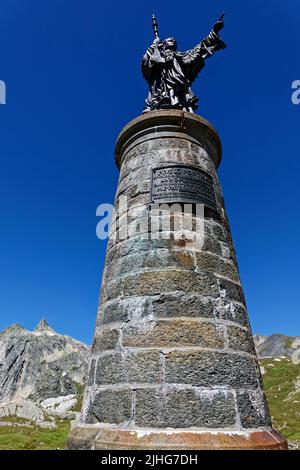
(41,364)
(44,327)
(15,328)
(278,345)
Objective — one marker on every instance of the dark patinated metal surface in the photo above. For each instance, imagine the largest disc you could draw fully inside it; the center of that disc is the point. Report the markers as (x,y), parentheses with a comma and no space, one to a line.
(181,183)
(170,73)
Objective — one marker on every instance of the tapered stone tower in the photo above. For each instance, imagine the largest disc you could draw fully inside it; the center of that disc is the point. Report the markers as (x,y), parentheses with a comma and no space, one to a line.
(173,363)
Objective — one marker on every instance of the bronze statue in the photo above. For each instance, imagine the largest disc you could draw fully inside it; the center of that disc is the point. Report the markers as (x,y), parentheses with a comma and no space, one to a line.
(170,73)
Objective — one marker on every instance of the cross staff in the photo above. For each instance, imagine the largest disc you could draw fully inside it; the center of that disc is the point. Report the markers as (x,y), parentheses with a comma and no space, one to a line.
(155,26)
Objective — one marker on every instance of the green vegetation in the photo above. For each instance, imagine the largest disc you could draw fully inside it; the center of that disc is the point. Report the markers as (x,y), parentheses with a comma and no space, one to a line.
(79,396)
(282,387)
(34,438)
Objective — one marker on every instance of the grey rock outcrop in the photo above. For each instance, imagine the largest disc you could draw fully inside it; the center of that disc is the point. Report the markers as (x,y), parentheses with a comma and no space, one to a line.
(278,345)
(41,364)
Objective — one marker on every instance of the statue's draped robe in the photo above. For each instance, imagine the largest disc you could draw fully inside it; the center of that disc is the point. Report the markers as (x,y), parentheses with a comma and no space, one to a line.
(170,74)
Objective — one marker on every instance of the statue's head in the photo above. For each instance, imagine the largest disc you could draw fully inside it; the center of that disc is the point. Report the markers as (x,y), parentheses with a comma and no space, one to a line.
(170,43)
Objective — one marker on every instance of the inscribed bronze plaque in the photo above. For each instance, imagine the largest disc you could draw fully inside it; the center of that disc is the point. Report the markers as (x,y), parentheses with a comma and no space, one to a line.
(181,183)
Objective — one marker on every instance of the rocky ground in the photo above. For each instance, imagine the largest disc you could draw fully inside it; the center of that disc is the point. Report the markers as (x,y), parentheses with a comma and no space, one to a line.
(42,376)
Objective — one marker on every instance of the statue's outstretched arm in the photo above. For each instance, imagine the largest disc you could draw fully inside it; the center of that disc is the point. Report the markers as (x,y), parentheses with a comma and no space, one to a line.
(194,59)
(208,46)
(213,42)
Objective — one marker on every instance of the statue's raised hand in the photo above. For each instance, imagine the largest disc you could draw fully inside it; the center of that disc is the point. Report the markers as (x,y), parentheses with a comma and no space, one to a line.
(218,26)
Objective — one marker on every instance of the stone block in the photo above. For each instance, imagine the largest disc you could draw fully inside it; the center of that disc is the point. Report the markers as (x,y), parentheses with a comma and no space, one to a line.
(218,231)
(147,259)
(231,291)
(126,181)
(169,143)
(129,367)
(184,408)
(209,368)
(124,310)
(110,369)
(182,305)
(213,263)
(110,406)
(139,149)
(151,283)
(231,311)
(105,340)
(253,409)
(211,244)
(136,245)
(173,333)
(240,340)
(82,438)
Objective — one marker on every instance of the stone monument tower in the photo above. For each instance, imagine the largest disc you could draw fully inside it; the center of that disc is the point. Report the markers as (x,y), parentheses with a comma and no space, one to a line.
(173,362)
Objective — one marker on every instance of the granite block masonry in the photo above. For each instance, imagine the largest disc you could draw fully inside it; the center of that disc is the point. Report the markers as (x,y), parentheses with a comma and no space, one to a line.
(173,362)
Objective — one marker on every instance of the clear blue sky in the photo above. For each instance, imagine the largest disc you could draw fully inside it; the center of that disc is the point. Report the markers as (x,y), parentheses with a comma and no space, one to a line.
(72,70)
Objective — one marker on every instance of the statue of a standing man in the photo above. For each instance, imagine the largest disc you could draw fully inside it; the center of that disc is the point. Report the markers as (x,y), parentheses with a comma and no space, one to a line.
(170,73)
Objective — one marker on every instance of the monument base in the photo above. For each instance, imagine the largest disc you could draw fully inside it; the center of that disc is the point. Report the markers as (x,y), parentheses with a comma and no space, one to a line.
(94,438)
(173,362)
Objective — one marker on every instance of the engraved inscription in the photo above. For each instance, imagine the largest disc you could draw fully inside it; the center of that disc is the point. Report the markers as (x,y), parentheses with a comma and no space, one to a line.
(183,184)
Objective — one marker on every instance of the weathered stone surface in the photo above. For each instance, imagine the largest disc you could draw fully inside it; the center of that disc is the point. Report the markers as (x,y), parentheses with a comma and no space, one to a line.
(218,230)
(231,291)
(215,264)
(174,333)
(82,438)
(135,245)
(182,305)
(143,367)
(124,310)
(169,143)
(136,151)
(240,340)
(159,156)
(134,198)
(135,187)
(110,369)
(129,179)
(161,258)
(212,244)
(167,281)
(253,409)
(110,406)
(129,367)
(115,311)
(105,340)
(138,244)
(182,408)
(231,311)
(208,368)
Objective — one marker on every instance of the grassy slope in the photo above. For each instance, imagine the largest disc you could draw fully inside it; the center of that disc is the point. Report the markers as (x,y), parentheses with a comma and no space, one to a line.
(284,400)
(34,438)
